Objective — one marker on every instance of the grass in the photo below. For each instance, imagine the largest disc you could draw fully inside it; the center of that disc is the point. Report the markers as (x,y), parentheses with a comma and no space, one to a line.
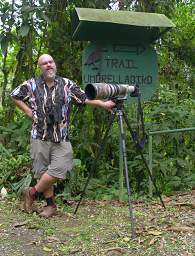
(99,228)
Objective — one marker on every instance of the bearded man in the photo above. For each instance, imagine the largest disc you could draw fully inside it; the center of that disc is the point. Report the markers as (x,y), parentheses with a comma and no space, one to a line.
(47,100)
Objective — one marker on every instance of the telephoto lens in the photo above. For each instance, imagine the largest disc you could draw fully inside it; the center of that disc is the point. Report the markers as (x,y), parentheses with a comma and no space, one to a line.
(108,91)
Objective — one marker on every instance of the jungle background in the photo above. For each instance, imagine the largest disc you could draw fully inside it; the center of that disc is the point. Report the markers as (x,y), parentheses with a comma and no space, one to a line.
(29,28)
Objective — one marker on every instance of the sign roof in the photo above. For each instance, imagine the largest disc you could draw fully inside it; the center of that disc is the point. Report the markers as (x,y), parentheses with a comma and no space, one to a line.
(104,25)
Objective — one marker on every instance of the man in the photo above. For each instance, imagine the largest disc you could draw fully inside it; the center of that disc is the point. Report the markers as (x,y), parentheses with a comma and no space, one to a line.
(49,97)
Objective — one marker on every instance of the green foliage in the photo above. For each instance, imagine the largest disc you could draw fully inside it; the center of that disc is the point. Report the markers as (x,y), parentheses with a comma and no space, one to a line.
(12,168)
(14,153)
(16,134)
(74,182)
(100,190)
(27,30)
(22,183)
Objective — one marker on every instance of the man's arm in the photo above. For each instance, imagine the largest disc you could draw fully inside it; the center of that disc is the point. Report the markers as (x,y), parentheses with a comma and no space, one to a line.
(108,105)
(20,95)
(23,106)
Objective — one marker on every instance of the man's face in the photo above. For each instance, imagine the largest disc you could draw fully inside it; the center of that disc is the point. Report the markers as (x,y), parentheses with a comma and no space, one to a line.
(47,66)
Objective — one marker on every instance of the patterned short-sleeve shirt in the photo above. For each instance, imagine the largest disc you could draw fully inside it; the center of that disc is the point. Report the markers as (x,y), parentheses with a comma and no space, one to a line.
(50,106)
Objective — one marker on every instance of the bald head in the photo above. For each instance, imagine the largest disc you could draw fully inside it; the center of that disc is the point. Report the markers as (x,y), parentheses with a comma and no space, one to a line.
(47,65)
(44,57)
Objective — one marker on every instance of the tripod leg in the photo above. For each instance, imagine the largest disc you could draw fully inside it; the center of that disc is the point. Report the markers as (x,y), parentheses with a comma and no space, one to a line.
(143,159)
(96,159)
(124,152)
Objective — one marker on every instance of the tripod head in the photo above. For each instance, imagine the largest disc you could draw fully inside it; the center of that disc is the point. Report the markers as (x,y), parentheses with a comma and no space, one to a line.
(119,102)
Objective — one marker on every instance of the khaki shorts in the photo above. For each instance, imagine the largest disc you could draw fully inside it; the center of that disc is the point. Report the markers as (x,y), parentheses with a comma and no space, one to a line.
(53,158)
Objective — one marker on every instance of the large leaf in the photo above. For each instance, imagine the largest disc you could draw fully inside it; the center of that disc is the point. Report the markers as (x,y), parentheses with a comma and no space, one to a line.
(27,8)
(24,182)
(24,29)
(45,17)
(4,44)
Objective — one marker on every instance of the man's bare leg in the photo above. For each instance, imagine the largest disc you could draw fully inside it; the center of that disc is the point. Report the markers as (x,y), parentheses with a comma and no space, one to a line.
(45,184)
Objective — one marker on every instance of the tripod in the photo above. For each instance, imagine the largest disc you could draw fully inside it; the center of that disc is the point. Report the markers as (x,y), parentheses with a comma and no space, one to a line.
(120,113)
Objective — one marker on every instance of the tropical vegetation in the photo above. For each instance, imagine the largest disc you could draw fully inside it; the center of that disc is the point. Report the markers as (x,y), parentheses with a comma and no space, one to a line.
(29,28)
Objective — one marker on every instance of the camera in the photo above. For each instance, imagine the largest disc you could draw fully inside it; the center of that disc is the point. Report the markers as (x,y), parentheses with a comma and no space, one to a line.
(110,91)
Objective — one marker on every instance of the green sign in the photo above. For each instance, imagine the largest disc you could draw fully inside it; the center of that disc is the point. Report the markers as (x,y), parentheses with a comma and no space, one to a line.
(121,64)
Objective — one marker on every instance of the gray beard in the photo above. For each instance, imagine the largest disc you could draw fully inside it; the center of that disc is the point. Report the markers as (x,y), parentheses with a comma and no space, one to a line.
(49,76)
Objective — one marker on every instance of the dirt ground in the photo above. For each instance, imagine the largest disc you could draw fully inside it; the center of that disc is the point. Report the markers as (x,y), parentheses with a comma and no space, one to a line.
(101,228)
